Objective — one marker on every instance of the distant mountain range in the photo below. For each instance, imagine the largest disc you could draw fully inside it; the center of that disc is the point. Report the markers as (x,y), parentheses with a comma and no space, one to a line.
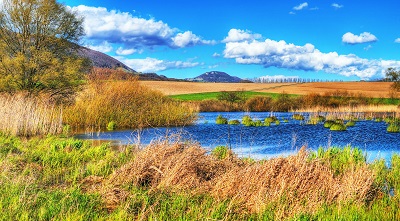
(216,76)
(102,60)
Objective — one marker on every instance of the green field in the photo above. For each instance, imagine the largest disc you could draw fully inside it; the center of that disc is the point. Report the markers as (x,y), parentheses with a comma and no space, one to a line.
(214,95)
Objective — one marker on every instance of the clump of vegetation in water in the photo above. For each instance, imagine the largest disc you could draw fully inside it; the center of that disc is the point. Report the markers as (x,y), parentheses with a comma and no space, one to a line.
(350,123)
(298,117)
(247,121)
(328,123)
(393,128)
(234,122)
(338,126)
(221,120)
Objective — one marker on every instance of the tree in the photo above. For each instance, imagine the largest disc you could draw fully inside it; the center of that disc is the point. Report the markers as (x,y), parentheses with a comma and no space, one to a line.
(37,47)
(393,75)
(232,96)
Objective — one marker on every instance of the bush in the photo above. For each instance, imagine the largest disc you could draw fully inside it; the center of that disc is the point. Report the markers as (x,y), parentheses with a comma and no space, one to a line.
(258,104)
(328,123)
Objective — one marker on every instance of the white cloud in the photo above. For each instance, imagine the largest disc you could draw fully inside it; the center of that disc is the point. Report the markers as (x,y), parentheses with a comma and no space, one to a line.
(114,26)
(102,47)
(277,77)
(216,55)
(337,6)
(270,53)
(368,47)
(187,38)
(235,35)
(397,40)
(364,37)
(292,13)
(301,6)
(154,65)
(124,52)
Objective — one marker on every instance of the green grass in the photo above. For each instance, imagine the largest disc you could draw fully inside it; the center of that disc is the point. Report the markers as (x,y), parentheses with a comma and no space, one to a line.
(42,179)
(214,95)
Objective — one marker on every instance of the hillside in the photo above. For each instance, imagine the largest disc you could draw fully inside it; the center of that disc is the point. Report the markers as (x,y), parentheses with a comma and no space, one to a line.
(216,76)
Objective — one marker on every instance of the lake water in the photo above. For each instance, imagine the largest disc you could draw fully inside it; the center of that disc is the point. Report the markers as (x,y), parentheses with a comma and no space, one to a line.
(267,142)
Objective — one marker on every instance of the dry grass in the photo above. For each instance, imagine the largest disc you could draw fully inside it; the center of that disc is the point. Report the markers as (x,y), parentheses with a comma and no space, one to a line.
(22,115)
(292,185)
(369,89)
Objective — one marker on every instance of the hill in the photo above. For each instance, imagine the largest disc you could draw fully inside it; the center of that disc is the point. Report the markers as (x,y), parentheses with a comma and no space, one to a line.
(216,76)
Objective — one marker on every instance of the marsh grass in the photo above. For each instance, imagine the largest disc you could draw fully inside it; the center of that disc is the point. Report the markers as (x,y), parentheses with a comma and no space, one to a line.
(68,179)
(24,115)
(127,104)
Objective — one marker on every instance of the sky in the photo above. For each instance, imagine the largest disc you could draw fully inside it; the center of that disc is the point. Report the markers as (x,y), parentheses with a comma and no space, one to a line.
(329,40)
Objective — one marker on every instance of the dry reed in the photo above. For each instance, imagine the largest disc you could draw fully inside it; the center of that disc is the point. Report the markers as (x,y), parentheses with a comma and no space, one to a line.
(22,115)
(292,185)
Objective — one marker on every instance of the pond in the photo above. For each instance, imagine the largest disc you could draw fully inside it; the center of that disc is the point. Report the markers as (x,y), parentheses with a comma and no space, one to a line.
(266,142)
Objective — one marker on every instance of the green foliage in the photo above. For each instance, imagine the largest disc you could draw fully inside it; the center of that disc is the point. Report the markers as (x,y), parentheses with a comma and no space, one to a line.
(234,122)
(221,120)
(393,75)
(338,126)
(232,96)
(340,159)
(221,152)
(111,125)
(37,42)
(350,123)
(247,121)
(393,128)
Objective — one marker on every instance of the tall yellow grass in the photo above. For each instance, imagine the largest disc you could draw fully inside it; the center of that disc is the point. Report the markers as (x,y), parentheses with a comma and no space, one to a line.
(126,103)
(22,115)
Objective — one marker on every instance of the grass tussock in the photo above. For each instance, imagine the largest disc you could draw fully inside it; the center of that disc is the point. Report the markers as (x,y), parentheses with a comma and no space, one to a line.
(24,115)
(127,104)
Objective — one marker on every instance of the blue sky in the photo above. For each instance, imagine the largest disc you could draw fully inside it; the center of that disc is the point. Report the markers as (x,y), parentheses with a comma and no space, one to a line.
(329,40)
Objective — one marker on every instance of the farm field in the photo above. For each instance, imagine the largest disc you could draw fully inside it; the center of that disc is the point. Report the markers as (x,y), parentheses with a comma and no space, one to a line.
(369,89)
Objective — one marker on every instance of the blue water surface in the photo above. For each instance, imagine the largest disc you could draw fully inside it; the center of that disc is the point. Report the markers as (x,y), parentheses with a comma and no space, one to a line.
(266,142)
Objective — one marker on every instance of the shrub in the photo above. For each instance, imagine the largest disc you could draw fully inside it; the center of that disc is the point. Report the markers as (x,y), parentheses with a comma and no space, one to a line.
(259,104)
(221,120)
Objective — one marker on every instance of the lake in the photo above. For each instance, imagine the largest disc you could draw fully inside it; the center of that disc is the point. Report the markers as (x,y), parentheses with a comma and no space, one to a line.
(266,142)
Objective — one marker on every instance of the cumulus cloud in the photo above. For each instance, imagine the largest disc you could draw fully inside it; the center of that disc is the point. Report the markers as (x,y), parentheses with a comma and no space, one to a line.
(114,26)
(154,65)
(397,40)
(235,35)
(102,47)
(270,53)
(337,6)
(187,38)
(364,37)
(301,6)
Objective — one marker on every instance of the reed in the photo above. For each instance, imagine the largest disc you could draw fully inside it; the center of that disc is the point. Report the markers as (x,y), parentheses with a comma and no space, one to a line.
(127,104)
(24,115)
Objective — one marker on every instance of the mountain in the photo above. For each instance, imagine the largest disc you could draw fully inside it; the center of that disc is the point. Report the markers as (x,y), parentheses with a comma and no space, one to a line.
(102,60)
(216,76)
